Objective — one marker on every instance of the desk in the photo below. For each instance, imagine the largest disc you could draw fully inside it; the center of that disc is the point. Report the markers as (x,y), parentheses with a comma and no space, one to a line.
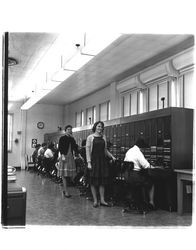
(182,175)
(16,205)
(165,193)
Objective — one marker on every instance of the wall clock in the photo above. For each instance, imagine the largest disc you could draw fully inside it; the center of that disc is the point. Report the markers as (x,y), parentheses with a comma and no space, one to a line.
(40,125)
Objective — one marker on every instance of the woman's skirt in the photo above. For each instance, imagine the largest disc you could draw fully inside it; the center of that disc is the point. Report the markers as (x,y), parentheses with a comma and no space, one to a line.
(67,166)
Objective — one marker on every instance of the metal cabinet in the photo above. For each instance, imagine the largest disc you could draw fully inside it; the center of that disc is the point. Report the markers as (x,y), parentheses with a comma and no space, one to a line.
(16,205)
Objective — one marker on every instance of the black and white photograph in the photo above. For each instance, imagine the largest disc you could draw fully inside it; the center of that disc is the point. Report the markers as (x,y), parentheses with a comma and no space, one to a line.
(98,136)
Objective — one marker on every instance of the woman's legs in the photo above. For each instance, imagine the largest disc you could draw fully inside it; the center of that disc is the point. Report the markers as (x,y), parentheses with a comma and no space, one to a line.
(94,193)
(65,191)
(151,195)
(102,192)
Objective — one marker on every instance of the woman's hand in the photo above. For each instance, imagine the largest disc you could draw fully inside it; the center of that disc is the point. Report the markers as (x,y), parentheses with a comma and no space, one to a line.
(63,158)
(89,166)
(113,158)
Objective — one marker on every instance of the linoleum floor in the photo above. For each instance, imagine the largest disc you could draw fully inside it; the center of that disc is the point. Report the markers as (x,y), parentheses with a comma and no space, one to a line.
(46,206)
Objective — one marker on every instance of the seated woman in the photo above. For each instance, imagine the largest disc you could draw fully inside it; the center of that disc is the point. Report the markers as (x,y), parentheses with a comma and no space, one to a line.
(137,177)
(35,155)
(49,158)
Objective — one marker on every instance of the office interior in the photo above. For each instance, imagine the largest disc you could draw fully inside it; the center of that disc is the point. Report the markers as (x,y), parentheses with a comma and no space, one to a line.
(139,85)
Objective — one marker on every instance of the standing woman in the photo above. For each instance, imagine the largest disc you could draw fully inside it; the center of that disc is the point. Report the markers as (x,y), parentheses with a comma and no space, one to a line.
(67,167)
(96,152)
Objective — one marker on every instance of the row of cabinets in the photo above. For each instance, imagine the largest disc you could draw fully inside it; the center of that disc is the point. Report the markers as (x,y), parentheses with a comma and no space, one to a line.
(168,135)
(153,131)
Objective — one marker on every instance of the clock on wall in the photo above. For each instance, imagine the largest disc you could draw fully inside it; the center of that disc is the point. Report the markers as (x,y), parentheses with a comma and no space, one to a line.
(40,125)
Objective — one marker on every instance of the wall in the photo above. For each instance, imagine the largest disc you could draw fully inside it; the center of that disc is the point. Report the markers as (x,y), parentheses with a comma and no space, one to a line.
(14,155)
(51,115)
(26,121)
(101,96)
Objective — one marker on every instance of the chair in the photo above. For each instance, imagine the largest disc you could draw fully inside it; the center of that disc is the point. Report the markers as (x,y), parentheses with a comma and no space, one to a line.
(137,189)
(28,162)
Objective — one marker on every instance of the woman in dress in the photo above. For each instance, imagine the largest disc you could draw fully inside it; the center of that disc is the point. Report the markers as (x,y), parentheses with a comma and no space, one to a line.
(96,153)
(67,167)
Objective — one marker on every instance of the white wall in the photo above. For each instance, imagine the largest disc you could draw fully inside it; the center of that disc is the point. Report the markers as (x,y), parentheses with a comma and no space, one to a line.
(101,96)
(14,155)
(51,115)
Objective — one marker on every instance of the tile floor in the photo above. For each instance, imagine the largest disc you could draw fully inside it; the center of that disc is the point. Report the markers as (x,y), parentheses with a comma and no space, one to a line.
(46,206)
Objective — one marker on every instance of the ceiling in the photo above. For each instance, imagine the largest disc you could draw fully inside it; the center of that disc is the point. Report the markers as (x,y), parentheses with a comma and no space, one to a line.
(127,55)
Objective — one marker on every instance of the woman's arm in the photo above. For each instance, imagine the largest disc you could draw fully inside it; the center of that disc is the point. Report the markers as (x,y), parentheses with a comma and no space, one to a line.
(88,149)
(107,152)
(75,147)
(61,145)
(142,160)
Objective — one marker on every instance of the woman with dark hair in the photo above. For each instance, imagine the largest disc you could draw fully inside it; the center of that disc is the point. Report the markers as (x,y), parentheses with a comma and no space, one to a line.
(67,167)
(48,160)
(96,153)
(137,176)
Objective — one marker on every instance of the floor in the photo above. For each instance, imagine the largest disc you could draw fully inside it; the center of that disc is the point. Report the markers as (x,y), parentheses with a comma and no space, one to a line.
(47,206)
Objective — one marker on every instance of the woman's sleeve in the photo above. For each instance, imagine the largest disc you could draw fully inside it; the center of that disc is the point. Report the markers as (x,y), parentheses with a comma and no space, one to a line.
(61,145)
(143,162)
(88,149)
(50,154)
(75,147)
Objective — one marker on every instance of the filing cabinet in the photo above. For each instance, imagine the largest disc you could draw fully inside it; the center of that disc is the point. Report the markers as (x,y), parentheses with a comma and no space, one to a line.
(16,205)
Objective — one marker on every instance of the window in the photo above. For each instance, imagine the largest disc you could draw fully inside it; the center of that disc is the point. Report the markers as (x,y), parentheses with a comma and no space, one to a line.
(79,119)
(152,97)
(104,111)
(82,118)
(90,115)
(10,132)
(94,114)
(133,103)
(180,92)
(126,105)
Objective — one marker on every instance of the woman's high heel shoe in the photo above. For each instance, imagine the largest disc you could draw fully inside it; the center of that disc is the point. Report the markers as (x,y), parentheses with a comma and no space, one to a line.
(66,195)
(95,204)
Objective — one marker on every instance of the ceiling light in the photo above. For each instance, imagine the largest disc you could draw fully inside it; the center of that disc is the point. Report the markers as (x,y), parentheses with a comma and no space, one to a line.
(82,56)
(61,75)
(34,99)
(95,43)
(12,61)
(77,62)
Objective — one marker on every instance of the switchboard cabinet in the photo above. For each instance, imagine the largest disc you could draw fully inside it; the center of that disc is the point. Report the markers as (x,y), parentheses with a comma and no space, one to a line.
(168,134)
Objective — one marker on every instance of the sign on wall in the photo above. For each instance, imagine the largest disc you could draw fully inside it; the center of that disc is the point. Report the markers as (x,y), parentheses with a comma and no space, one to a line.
(34,143)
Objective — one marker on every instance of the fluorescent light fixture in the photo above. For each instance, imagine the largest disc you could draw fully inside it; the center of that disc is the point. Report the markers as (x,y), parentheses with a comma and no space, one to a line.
(92,46)
(77,62)
(61,75)
(95,43)
(34,99)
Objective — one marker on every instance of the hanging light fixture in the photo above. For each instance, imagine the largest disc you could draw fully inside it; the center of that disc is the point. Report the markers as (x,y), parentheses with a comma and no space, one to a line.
(12,61)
